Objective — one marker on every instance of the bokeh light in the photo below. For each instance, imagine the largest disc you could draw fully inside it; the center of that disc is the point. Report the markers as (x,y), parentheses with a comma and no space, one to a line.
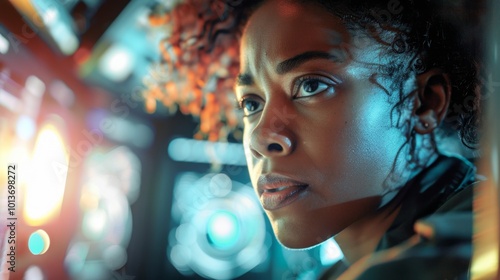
(35,86)
(33,273)
(190,150)
(76,256)
(110,183)
(39,242)
(330,252)
(221,232)
(4,44)
(94,224)
(57,21)
(62,93)
(25,127)
(47,179)
(223,229)
(115,257)
(117,63)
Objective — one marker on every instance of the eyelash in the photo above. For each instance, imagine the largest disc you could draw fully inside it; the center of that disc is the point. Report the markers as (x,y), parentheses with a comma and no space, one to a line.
(301,80)
(298,83)
(240,105)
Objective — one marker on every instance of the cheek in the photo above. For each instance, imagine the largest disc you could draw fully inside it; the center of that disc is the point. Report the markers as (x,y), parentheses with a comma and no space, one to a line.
(251,161)
(377,141)
(246,148)
(376,135)
(358,148)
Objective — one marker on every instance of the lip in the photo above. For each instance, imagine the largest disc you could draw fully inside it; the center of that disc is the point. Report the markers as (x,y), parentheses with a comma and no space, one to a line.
(276,191)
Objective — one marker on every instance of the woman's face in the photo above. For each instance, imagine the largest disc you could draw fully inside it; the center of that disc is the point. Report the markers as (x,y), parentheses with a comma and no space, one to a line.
(319,138)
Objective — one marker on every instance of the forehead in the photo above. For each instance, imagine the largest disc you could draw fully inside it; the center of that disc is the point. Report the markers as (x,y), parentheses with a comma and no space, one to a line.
(281,29)
(278,22)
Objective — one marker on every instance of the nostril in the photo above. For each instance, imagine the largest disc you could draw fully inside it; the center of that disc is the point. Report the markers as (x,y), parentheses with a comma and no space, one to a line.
(274,147)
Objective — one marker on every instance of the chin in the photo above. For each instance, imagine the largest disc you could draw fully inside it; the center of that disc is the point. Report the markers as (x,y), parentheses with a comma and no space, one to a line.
(298,239)
(296,243)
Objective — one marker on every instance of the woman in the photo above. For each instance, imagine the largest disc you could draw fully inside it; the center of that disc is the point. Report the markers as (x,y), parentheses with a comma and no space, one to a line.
(345,105)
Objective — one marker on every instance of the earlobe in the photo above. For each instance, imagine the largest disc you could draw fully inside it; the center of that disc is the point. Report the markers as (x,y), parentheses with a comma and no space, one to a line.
(432,100)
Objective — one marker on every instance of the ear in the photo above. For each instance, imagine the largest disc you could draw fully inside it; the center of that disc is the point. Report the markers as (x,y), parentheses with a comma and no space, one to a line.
(433,99)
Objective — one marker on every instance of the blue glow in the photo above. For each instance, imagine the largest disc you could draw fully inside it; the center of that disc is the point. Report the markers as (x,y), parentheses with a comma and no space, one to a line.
(25,127)
(59,24)
(38,242)
(330,252)
(223,230)
(190,150)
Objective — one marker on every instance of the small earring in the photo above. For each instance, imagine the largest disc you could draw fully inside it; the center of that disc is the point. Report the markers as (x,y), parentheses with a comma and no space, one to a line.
(425,124)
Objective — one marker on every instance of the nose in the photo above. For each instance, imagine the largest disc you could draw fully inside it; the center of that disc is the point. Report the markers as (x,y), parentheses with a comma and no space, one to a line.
(272,137)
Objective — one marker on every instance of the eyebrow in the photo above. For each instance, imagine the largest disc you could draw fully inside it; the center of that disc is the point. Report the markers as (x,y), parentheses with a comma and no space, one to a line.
(245,79)
(294,62)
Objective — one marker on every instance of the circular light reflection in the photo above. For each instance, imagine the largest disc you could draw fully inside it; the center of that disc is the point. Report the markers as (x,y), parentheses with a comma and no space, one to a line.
(39,242)
(25,127)
(220,185)
(33,273)
(223,229)
(94,224)
(186,234)
(180,256)
(115,257)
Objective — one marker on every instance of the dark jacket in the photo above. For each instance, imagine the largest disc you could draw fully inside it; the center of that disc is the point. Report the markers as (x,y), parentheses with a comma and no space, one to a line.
(439,200)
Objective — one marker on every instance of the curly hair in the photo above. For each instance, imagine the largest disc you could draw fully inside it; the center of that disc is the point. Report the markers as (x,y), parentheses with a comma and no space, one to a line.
(201,55)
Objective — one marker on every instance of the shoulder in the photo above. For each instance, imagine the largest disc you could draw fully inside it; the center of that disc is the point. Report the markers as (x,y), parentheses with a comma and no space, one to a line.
(440,249)
(432,238)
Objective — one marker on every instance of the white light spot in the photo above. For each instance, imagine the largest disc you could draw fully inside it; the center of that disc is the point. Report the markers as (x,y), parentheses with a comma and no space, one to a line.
(330,252)
(33,273)
(94,223)
(4,44)
(25,127)
(50,16)
(35,86)
(117,63)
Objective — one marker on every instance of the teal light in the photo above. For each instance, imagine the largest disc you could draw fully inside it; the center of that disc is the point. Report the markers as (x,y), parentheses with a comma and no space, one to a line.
(39,242)
(330,252)
(223,230)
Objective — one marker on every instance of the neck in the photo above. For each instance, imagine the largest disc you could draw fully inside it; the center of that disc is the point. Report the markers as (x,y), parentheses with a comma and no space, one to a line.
(362,237)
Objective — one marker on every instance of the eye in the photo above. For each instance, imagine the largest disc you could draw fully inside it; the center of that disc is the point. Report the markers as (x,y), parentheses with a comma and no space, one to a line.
(250,105)
(310,86)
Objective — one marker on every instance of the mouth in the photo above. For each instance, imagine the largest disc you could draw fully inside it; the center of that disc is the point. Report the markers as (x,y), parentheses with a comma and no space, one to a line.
(277,191)
(281,197)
